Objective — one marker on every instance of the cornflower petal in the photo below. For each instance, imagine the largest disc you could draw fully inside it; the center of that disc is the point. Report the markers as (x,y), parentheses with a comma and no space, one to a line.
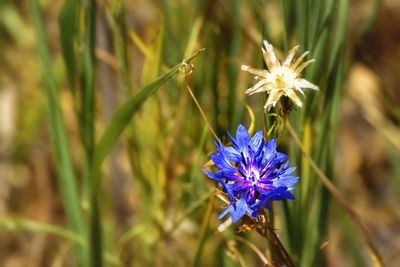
(232,154)
(287,181)
(242,138)
(280,156)
(222,163)
(269,151)
(256,142)
(227,188)
(289,171)
(229,153)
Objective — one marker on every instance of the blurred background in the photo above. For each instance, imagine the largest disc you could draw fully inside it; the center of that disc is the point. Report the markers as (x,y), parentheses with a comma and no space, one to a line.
(153,196)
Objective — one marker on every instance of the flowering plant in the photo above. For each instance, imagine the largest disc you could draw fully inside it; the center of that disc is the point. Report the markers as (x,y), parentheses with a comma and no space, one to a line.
(252,173)
(280,79)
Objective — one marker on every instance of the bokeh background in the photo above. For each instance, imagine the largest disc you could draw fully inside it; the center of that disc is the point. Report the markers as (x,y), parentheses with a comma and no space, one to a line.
(153,195)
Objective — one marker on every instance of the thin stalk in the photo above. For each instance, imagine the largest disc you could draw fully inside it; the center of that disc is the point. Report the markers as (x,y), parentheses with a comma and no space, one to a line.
(203,232)
(264,229)
(254,248)
(202,112)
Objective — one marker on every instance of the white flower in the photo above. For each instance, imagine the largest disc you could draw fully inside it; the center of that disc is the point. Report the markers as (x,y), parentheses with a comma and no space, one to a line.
(280,79)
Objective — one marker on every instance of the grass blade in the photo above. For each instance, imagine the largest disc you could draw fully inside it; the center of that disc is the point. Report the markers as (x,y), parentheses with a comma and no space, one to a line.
(123,115)
(68,26)
(10,224)
(63,162)
(87,105)
(119,121)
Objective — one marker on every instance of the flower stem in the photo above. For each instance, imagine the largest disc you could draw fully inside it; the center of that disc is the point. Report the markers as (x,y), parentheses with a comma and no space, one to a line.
(264,229)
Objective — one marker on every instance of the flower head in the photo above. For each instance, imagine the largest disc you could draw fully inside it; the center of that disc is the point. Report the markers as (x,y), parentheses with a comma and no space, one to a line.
(281,79)
(252,173)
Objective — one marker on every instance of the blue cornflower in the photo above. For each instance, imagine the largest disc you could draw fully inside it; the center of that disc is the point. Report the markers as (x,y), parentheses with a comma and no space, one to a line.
(253,174)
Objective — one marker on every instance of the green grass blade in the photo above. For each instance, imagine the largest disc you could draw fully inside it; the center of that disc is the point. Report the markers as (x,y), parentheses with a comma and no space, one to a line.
(87,105)
(13,23)
(63,163)
(68,26)
(87,127)
(341,31)
(234,110)
(11,224)
(121,40)
(20,224)
(119,121)
(122,116)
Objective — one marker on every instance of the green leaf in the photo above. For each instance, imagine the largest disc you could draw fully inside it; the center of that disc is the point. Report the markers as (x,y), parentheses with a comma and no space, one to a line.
(66,176)
(119,121)
(122,116)
(68,26)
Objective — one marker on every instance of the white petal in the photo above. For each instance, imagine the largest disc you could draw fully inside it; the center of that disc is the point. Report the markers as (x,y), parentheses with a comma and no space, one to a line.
(297,62)
(299,89)
(290,56)
(303,83)
(294,97)
(273,98)
(257,88)
(298,70)
(258,72)
(269,56)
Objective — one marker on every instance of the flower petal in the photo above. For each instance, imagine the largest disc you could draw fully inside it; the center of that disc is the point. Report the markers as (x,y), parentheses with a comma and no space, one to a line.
(294,97)
(287,181)
(288,195)
(273,98)
(228,153)
(268,196)
(269,56)
(256,88)
(289,171)
(258,72)
(290,56)
(280,156)
(269,151)
(222,163)
(227,188)
(303,65)
(303,83)
(234,142)
(237,210)
(232,154)
(242,138)
(256,142)
(298,60)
